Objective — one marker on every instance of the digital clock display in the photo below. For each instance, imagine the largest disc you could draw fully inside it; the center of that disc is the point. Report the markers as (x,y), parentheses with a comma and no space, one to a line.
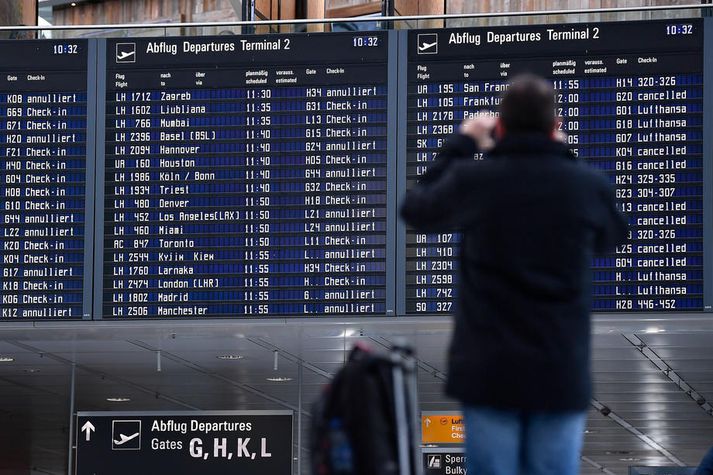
(65,49)
(685,29)
(365,41)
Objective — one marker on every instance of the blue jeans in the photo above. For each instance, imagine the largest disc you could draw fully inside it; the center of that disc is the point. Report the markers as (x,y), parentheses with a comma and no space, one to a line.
(502,442)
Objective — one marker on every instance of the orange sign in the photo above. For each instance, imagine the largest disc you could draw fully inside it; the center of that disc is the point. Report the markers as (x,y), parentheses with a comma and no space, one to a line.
(442,429)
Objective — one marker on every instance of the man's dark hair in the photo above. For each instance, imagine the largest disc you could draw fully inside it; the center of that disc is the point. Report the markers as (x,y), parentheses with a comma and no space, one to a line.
(528,105)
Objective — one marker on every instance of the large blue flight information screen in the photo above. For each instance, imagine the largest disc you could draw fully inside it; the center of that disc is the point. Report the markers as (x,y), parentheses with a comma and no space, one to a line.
(43,135)
(258,176)
(246,176)
(631,99)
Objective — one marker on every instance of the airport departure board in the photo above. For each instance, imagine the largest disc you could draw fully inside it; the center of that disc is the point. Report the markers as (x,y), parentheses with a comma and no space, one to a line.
(246,176)
(259,176)
(631,99)
(43,138)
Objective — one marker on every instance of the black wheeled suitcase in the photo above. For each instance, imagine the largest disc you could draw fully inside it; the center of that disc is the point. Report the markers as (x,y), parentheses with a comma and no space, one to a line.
(364,423)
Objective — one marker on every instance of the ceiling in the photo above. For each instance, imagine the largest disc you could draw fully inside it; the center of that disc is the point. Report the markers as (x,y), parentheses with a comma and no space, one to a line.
(653,378)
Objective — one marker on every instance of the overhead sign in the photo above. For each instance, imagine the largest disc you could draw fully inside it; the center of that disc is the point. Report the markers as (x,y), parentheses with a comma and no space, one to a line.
(444,462)
(184,443)
(662,470)
(616,83)
(248,177)
(442,428)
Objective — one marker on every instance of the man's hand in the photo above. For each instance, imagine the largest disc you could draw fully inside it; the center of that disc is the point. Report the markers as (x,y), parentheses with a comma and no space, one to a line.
(559,136)
(558,133)
(481,130)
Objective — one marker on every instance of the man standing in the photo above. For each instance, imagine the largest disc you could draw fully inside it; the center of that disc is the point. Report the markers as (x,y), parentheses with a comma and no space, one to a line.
(531,218)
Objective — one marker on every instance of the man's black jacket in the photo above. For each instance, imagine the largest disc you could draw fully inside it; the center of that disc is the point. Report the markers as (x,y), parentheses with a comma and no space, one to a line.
(706,465)
(532,217)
